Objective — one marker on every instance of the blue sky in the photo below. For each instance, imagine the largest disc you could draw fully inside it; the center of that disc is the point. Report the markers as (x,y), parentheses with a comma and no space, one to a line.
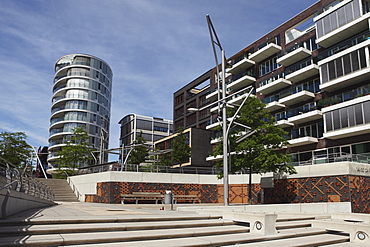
(154,48)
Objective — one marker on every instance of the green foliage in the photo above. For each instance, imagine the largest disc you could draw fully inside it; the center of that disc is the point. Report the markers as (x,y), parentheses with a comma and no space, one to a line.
(181,151)
(139,153)
(76,152)
(14,148)
(259,152)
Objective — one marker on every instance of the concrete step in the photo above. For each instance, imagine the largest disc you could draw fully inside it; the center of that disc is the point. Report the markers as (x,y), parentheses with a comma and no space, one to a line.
(62,190)
(98,227)
(315,240)
(237,239)
(292,224)
(120,236)
(107,219)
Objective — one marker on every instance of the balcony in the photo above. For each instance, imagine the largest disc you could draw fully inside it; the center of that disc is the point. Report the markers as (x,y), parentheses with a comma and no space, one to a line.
(348,132)
(297,97)
(302,141)
(304,73)
(240,66)
(358,25)
(294,56)
(265,52)
(306,117)
(213,95)
(213,125)
(284,123)
(243,81)
(214,158)
(238,99)
(274,106)
(347,80)
(273,86)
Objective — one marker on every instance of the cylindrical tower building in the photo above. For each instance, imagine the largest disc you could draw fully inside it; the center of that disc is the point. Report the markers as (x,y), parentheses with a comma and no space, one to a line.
(81,97)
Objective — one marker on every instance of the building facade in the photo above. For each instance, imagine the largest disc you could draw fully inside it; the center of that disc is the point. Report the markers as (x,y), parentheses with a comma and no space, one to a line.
(152,129)
(198,141)
(313,74)
(81,98)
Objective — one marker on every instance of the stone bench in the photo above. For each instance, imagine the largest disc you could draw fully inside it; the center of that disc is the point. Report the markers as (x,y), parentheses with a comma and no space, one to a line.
(186,198)
(142,196)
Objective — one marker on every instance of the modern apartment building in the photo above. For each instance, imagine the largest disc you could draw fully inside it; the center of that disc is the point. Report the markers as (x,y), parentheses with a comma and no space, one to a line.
(198,141)
(152,128)
(81,97)
(313,73)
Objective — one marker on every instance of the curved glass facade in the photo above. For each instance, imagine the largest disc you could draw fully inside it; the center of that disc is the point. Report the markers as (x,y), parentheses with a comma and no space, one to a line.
(81,97)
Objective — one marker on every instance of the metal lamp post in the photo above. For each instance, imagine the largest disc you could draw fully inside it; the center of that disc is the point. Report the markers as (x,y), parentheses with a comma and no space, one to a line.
(222,102)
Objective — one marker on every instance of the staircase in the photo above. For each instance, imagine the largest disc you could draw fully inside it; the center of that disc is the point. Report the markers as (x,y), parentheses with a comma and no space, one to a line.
(160,230)
(61,188)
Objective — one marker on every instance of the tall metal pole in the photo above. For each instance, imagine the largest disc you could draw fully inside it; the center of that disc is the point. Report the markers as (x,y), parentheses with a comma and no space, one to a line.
(224,133)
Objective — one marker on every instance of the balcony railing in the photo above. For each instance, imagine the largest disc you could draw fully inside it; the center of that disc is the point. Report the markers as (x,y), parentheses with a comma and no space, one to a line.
(345,96)
(56,89)
(344,45)
(335,157)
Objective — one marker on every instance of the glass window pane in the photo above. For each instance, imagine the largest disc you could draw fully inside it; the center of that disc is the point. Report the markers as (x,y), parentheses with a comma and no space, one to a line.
(347,64)
(341,17)
(334,21)
(362,58)
(332,74)
(355,61)
(358,114)
(351,116)
(328,121)
(327,25)
(344,117)
(336,119)
(324,73)
(349,12)
(367,111)
(339,67)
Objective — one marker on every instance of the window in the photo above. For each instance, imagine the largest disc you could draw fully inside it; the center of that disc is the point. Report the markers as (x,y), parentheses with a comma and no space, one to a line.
(338,18)
(179,99)
(268,66)
(347,64)
(347,117)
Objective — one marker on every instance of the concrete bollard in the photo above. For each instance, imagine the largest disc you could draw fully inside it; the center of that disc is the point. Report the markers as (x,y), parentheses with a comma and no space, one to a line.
(260,223)
(358,232)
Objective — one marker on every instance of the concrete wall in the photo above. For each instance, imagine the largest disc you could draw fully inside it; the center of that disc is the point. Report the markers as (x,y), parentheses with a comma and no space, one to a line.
(19,201)
(335,182)
(86,184)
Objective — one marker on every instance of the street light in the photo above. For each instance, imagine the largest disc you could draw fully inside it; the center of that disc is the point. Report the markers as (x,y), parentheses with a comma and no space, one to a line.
(222,103)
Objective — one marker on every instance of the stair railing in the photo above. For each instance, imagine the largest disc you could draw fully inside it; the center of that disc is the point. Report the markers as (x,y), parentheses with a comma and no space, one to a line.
(73,186)
(23,182)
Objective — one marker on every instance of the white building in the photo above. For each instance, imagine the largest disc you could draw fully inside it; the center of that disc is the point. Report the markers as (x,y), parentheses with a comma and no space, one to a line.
(81,97)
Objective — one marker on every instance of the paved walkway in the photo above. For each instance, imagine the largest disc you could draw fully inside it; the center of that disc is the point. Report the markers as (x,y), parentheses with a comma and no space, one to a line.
(98,210)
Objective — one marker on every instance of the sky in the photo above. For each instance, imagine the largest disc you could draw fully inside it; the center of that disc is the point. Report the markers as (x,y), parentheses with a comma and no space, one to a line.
(154,47)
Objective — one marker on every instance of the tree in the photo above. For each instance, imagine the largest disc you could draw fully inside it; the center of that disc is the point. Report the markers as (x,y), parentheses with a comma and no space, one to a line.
(14,148)
(140,152)
(77,151)
(181,151)
(260,152)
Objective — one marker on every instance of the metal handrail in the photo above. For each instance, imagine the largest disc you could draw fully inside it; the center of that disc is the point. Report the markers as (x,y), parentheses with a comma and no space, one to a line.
(73,186)
(9,184)
(25,183)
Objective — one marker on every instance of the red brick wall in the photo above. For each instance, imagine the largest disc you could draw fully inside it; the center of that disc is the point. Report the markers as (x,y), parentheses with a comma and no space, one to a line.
(354,189)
